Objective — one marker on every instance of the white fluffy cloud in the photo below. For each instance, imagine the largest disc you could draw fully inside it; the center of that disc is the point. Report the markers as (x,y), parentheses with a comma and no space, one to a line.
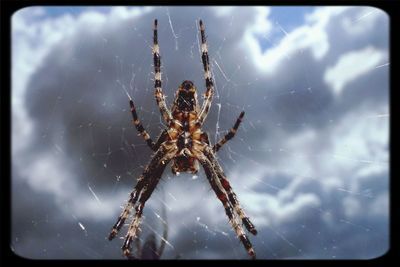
(311,36)
(352,65)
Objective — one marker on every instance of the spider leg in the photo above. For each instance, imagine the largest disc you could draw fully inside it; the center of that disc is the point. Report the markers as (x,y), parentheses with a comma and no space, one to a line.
(134,225)
(140,128)
(158,159)
(158,93)
(207,76)
(231,195)
(144,196)
(229,135)
(222,196)
(154,174)
(161,139)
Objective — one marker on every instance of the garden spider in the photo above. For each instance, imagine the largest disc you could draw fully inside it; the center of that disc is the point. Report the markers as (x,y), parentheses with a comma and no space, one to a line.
(186,145)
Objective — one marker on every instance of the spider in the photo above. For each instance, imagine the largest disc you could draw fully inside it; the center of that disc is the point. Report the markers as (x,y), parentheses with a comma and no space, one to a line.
(149,250)
(185,145)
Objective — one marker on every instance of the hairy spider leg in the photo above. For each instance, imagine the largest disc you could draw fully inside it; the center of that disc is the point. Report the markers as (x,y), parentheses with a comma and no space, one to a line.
(222,196)
(231,195)
(230,134)
(161,139)
(158,93)
(140,128)
(210,154)
(207,76)
(159,157)
(142,250)
(156,173)
(142,132)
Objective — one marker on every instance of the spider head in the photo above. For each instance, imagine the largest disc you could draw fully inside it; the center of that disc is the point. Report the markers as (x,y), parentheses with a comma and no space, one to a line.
(186,96)
(188,86)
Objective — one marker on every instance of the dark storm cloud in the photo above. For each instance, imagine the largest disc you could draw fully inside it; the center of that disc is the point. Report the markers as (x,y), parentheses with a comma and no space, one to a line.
(79,109)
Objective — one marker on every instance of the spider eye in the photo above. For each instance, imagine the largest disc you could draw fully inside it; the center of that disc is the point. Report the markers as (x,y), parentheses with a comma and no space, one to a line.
(187,85)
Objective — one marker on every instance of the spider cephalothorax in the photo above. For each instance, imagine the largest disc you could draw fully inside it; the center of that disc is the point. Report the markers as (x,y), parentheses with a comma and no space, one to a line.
(185,145)
(185,98)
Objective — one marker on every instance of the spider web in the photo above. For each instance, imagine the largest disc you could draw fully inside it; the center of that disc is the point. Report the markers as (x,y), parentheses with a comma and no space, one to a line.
(290,163)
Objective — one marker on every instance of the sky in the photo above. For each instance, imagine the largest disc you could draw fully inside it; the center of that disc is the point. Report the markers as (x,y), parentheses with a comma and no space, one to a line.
(309,163)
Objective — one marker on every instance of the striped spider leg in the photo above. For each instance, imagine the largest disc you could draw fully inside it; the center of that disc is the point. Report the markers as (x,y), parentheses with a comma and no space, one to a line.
(142,192)
(158,93)
(224,194)
(207,76)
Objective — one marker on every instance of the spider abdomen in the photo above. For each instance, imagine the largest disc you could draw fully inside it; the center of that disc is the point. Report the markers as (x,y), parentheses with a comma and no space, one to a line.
(185,164)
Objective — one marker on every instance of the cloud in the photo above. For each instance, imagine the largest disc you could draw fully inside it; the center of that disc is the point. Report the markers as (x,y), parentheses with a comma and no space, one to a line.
(304,164)
(352,65)
(33,41)
(380,206)
(311,36)
(363,20)
(221,11)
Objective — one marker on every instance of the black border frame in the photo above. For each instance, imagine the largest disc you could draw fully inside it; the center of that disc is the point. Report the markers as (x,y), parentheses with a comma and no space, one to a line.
(8,7)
